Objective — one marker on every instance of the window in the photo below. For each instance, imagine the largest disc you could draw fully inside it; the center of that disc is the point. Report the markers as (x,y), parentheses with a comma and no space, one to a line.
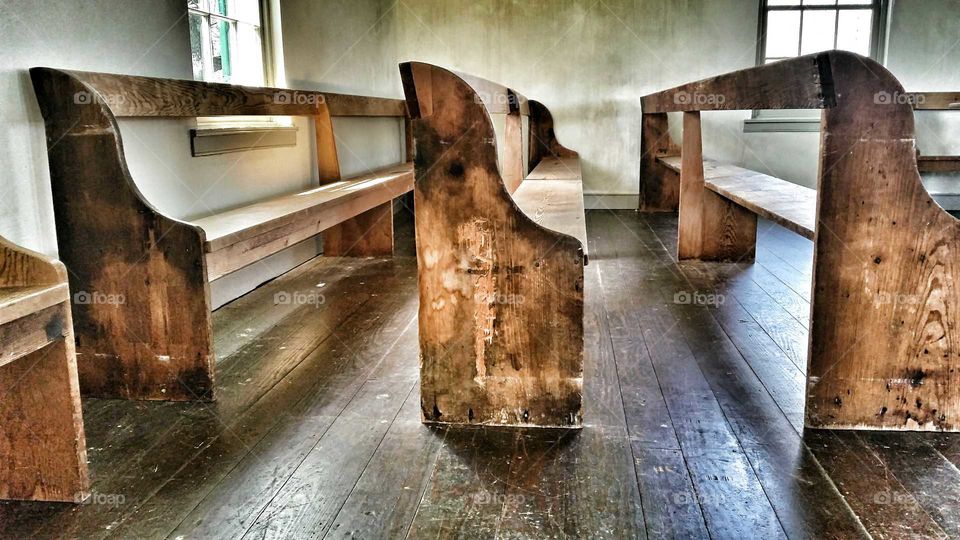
(235,42)
(226,41)
(796,27)
(790,28)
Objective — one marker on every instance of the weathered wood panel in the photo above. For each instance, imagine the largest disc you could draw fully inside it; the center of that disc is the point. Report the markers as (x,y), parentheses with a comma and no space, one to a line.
(501,298)
(42,443)
(798,83)
(659,186)
(128,344)
(884,349)
(130,95)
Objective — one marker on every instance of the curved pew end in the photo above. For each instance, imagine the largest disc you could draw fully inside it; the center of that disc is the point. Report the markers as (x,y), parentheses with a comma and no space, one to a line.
(885,304)
(501,297)
(143,326)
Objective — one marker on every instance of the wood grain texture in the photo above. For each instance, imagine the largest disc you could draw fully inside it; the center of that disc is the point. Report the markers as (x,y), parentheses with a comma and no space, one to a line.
(789,205)
(659,186)
(42,443)
(883,349)
(131,96)
(798,83)
(333,203)
(134,268)
(690,227)
(543,143)
(369,234)
(501,298)
(127,344)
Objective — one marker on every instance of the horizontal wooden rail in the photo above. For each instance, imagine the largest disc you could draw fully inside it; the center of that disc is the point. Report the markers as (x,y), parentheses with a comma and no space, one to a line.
(799,83)
(135,96)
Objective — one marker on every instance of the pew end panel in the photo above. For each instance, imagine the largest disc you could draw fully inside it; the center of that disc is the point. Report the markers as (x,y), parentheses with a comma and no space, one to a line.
(885,303)
(143,279)
(42,440)
(131,267)
(501,297)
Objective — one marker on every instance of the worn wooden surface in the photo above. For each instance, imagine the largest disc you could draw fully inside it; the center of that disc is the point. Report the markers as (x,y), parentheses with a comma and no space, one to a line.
(659,186)
(42,443)
(693,422)
(501,298)
(799,83)
(127,344)
(789,205)
(138,267)
(543,143)
(556,205)
(131,96)
(331,203)
(882,349)
(885,296)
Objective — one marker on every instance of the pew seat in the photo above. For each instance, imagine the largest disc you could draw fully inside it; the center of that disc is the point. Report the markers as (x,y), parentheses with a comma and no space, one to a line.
(243,235)
(787,204)
(552,196)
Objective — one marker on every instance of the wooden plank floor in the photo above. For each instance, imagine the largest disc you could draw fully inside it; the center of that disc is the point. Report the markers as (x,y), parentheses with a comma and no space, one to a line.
(693,410)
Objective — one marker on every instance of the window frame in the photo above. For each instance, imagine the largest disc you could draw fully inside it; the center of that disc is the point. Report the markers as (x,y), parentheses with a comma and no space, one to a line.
(220,132)
(769,121)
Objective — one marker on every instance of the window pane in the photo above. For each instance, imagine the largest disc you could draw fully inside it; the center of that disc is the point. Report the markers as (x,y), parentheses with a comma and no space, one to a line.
(819,28)
(819,3)
(196,45)
(249,66)
(783,33)
(221,44)
(247,11)
(783,2)
(854,31)
(865,3)
(222,7)
(200,5)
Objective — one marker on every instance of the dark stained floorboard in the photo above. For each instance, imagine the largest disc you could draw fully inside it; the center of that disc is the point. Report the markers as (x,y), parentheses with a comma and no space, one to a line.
(693,421)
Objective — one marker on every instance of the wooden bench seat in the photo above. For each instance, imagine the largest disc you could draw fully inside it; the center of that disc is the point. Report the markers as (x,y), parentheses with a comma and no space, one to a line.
(42,443)
(247,234)
(883,300)
(785,203)
(552,196)
(501,245)
(157,343)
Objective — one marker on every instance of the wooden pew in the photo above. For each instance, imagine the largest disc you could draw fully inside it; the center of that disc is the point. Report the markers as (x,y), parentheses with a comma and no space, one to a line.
(156,342)
(42,446)
(884,351)
(500,253)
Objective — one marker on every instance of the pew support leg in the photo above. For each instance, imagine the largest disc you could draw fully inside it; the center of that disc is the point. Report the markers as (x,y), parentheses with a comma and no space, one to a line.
(369,234)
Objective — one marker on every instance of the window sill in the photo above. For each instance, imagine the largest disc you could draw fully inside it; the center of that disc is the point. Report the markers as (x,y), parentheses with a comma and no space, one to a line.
(781,125)
(211,141)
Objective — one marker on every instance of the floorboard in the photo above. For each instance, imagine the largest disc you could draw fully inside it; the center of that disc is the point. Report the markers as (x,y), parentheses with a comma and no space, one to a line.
(693,399)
